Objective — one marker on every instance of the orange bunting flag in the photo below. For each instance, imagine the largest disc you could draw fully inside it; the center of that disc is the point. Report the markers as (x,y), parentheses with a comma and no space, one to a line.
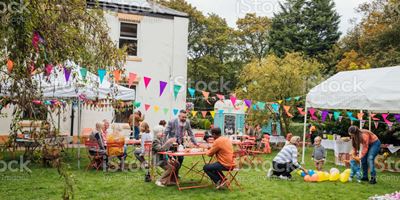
(212,114)
(287,108)
(301,111)
(360,116)
(194,113)
(132,78)
(156,108)
(117,75)
(204,113)
(206,94)
(10,65)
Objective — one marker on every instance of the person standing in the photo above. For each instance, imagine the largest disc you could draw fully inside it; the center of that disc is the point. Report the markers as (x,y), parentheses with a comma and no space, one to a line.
(134,122)
(370,149)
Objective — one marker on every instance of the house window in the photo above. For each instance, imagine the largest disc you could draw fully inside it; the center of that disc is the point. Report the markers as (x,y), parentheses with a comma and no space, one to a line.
(128,38)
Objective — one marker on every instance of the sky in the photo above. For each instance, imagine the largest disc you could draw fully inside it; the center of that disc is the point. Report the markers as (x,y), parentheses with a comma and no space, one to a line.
(231,10)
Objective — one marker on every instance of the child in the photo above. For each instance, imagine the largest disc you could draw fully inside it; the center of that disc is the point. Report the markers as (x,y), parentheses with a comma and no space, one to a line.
(145,136)
(355,167)
(318,154)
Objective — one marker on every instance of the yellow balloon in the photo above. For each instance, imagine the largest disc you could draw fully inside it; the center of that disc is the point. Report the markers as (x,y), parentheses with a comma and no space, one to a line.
(326,176)
(321,176)
(347,171)
(299,172)
(344,177)
(334,176)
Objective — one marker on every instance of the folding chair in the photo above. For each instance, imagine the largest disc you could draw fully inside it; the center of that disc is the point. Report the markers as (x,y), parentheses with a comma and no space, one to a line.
(230,176)
(116,149)
(95,161)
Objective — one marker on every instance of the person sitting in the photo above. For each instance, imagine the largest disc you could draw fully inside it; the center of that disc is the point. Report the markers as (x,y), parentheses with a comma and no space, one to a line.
(161,160)
(286,161)
(145,137)
(117,138)
(223,150)
(97,138)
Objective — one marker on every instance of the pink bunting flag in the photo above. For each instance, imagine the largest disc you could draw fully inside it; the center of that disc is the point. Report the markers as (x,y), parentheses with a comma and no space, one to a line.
(376,124)
(312,113)
(204,113)
(220,97)
(233,100)
(287,108)
(48,69)
(248,103)
(374,118)
(146,81)
(163,84)
(146,107)
(132,78)
(384,116)
(301,112)
(67,73)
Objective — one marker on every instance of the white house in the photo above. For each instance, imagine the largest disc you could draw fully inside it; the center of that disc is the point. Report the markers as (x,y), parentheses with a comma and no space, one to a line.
(157,38)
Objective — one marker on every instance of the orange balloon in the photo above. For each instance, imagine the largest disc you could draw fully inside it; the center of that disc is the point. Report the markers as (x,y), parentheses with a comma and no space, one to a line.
(307,178)
(314,178)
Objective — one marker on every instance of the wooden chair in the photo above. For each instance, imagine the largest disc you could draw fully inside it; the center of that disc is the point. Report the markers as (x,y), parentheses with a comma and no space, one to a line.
(230,176)
(96,160)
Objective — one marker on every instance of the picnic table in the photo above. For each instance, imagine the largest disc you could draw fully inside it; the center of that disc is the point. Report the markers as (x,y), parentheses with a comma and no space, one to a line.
(191,169)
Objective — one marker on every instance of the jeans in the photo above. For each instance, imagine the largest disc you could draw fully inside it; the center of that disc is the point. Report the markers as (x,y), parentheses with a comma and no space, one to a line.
(283,169)
(355,169)
(139,156)
(136,132)
(214,171)
(369,159)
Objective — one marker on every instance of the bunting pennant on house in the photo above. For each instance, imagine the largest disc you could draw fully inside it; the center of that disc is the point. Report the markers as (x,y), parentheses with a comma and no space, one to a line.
(132,78)
(336,115)
(376,124)
(389,123)
(67,73)
(117,75)
(397,117)
(163,84)
(156,108)
(146,81)
(360,116)
(220,97)
(175,111)
(233,100)
(247,102)
(136,104)
(350,115)
(177,88)
(275,107)
(297,98)
(301,112)
(212,114)
(254,107)
(146,107)
(102,74)
(204,114)
(83,71)
(194,113)
(165,111)
(261,105)
(280,101)
(312,113)
(48,69)
(324,114)
(374,118)
(191,92)
(10,65)
(287,108)
(330,116)
(288,99)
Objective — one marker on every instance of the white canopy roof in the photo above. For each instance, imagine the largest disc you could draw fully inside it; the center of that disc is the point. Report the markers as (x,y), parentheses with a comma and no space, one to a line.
(373,89)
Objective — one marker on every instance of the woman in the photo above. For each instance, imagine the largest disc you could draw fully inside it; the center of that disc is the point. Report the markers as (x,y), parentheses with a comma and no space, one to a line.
(100,150)
(286,161)
(145,137)
(134,122)
(370,148)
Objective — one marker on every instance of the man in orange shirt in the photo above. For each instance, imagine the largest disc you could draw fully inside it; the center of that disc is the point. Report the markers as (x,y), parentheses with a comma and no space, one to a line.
(223,150)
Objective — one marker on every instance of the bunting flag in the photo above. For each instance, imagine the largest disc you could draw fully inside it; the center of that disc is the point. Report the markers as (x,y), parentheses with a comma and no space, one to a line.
(146,81)
(102,73)
(191,92)
(340,118)
(233,100)
(48,69)
(212,114)
(324,114)
(247,102)
(156,108)
(175,111)
(132,78)
(301,112)
(204,113)
(350,115)
(261,105)
(389,123)
(297,98)
(83,71)
(374,118)
(206,94)
(336,115)
(360,116)
(288,99)
(287,108)
(117,75)
(177,88)
(220,97)
(330,116)
(165,111)
(146,107)
(163,84)
(312,113)
(275,107)
(67,73)
(194,113)
(136,104)
(254,107)
(397,117)
(376,124)
(280,101)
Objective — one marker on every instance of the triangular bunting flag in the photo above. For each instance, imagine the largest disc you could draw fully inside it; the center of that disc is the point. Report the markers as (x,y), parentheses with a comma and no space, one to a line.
(117,75)
(376,124)
(10,65)
(194,113)
(397,117)
(280,101)
(220,97)
(324,114)
(156,108)
(360,116)
(177,88)
(83,71)
(191,92)
(247,102)
(297,98)
(132,78)
(261,105)
(136,104)
(204,113)
(312,113)
(175,111)
(374,118)
(102,74)
(288,99)
(163,84)
(146,107)
(233,100)
(384,116)
(205,94)
(275,107)
(165,111)
(341,117)
(330,116)
(336,115)
(146,81)
(301,112)
(212,114)
(350,115)
(254,107)
(287,109)
(48,69)
(67,73)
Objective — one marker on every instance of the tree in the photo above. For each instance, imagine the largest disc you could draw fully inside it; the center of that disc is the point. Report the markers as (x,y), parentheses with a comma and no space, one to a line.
(278,78)
(352,61)
(253,37)
(50,33)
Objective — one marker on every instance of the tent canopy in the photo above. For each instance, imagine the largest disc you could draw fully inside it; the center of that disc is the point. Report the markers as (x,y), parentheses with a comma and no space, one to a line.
(372,89)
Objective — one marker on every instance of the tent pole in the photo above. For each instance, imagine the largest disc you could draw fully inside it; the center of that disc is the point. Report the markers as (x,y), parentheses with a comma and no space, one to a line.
(369,119)
(79,133)
(304,135)
(361,120)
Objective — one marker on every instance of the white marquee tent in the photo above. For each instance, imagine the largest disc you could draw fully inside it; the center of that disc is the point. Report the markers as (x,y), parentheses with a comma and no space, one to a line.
(373,90)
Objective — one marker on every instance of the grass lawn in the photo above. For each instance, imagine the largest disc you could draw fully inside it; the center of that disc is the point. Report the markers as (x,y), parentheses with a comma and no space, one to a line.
(45,183)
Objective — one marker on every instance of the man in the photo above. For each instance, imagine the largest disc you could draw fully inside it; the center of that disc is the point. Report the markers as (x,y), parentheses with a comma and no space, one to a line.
(134,123)
(223,150)
(176,128)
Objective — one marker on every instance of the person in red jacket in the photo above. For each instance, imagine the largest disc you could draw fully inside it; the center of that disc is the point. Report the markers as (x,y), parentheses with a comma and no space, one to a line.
(370,149)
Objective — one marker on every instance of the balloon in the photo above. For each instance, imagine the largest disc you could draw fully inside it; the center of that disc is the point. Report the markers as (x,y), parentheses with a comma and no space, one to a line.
(307,178)
(344,177)
(321,176)
(333,170)
(300,173)
(334,176)
(314,178)
(326,176)
(303,174)
(311,172)
(347,171)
